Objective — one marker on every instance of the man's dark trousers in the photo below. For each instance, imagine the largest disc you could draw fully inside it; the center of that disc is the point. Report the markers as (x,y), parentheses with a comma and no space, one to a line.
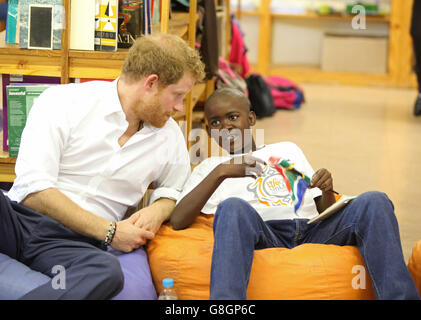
(43,244)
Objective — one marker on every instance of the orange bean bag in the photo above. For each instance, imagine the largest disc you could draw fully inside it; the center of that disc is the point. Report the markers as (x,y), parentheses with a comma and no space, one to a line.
(414,265)
(309,271)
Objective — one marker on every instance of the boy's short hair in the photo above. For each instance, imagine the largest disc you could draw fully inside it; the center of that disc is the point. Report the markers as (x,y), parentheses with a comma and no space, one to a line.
(226,92)
(165,55)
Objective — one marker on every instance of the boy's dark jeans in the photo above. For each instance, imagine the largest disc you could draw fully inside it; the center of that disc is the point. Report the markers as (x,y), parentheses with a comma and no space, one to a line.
(367,222)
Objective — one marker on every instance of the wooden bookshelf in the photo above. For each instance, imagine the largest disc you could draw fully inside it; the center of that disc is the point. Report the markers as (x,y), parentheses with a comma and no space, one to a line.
(399,68)
(68,64)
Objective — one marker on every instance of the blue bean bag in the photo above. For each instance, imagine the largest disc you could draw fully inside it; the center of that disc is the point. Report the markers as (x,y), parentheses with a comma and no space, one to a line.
(16,279)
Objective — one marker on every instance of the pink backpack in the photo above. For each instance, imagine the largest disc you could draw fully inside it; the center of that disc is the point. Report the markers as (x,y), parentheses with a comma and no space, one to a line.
(285,93)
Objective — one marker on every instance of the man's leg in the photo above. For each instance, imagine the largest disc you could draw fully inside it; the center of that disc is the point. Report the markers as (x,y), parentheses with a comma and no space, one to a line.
(78,272)
(78,267)
(238,231)
(369,222)
(43,244)
(12,231)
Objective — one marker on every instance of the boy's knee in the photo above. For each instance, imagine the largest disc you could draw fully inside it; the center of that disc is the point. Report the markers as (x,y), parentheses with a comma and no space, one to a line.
(232,204)
(232,207)
(234,211)
(379,203)
(375,197)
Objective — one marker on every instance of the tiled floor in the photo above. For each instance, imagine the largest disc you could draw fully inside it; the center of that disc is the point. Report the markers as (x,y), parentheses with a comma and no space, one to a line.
(367,138)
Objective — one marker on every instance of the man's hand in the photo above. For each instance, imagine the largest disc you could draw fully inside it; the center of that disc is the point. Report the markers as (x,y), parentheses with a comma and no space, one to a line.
(323,180)
(142,225)
(128,236)
(151,218)
(148,219)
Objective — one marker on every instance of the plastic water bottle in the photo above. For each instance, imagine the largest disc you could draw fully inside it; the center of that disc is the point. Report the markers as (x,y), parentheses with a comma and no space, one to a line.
(168,293)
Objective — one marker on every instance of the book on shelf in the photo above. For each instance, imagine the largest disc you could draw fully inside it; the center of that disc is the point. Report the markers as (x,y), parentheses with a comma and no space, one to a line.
(12,22)
(106,23)
(155,11)
(39,14)
(8,79)
(97,32)
(129,22)
(20,98)
(136,18)
(82,28)
(146,17)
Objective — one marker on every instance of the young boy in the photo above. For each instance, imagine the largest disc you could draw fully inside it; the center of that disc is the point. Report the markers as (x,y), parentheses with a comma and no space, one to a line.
(255,210)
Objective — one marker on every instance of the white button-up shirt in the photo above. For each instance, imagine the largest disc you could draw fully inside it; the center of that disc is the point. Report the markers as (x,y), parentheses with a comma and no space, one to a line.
(70,143)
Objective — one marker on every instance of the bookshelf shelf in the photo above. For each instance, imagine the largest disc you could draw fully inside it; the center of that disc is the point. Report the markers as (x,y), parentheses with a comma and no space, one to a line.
(102,65)
(399,64)
(120,54)
(315,15)
(13,49)
(14,60)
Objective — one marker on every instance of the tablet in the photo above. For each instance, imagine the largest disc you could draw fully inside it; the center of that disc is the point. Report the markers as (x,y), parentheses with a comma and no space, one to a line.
(338,205)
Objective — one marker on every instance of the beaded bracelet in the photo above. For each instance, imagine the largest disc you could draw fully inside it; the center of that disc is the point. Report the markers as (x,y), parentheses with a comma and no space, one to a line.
(110,235)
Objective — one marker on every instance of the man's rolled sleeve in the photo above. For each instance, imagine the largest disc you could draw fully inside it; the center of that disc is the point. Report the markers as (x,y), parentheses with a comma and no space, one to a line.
(176,171)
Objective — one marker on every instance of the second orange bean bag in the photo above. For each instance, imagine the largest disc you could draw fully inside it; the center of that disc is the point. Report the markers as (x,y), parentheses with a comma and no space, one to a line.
(414,265)
(309,271)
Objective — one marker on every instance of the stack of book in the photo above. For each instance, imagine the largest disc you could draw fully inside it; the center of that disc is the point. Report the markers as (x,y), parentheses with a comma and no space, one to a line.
(94,24)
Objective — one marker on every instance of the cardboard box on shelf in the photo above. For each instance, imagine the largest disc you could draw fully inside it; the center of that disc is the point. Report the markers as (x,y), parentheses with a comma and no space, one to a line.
(354,54)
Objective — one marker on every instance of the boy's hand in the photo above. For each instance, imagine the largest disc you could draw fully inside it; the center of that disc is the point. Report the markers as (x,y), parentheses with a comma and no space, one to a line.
(323,180)
(243,166)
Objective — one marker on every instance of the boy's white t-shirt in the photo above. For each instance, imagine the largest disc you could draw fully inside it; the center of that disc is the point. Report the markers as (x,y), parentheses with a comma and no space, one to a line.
(268,194)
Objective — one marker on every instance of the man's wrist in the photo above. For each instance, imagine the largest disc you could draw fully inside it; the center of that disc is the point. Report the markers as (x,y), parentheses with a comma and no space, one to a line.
(112,228)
